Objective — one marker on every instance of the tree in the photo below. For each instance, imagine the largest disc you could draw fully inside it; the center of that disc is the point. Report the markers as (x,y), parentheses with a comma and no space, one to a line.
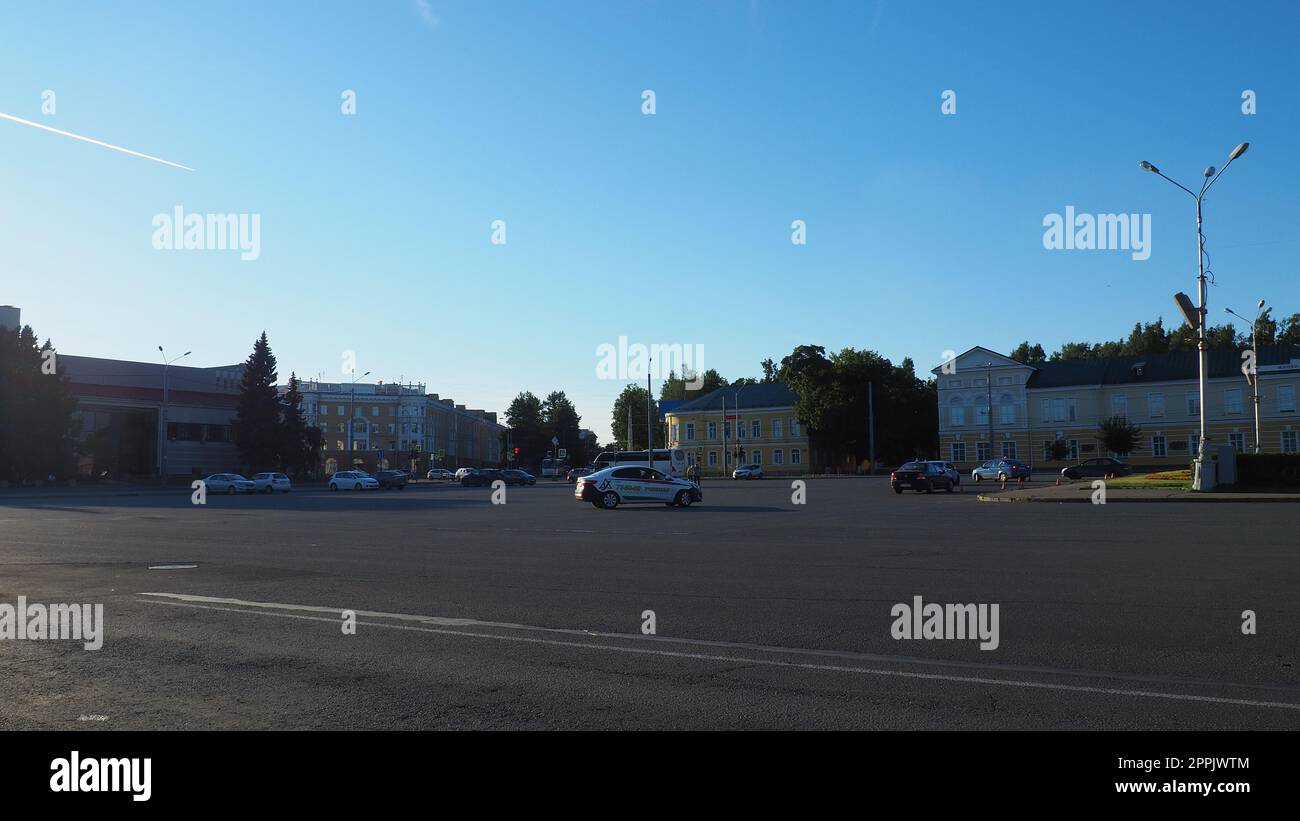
(528,428)
(561,418)
(1289,331)
(633,399)
(37,426)
(769,370)
(1029,354)
(679,387)
(1118,435)
(257,420)
(295,450)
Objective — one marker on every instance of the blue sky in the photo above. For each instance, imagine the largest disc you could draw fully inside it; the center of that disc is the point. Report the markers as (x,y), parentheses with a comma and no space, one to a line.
(924,230)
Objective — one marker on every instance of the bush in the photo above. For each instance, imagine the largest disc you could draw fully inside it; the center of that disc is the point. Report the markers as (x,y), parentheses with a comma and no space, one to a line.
(1268,469)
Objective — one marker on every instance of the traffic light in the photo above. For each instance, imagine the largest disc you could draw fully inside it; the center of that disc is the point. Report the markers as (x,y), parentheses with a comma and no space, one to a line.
(516,451)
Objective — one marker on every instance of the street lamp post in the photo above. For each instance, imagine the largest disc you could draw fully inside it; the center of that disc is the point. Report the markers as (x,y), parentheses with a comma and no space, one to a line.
(352,414)
(1202,345)
(162,451)
(1252,376)
(988,384)
(735,395)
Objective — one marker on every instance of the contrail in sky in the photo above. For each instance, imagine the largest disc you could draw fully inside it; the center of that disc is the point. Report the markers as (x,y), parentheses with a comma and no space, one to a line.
(93,141)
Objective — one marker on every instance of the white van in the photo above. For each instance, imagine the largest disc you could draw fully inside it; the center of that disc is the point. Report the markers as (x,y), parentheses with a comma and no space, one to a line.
(670,461)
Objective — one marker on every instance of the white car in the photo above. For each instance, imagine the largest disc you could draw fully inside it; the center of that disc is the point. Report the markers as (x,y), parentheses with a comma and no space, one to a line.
(353,480)
(231,483)
(628,484)
(271,482)
(748,472)
(439,475)
(463,472)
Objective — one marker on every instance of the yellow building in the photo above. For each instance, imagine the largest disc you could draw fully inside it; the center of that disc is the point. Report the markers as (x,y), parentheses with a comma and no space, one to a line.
(991,406)
(745,425)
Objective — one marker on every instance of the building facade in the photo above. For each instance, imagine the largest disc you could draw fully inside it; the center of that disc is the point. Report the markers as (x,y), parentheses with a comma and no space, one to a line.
(757,426)
(377,426)
(991,406)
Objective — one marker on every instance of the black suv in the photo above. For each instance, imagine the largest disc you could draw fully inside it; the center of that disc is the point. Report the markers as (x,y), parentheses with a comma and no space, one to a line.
(921,476)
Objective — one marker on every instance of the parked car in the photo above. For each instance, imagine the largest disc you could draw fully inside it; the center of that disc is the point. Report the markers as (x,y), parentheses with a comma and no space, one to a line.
(923,477)
(1001,470)
(952,471)
(480,478)
(391,478)
(353,480)
(271,482)
(628,484)
(577,473)
(747,472)
(1101,466)
(518,477)
(231,483)
(439,475)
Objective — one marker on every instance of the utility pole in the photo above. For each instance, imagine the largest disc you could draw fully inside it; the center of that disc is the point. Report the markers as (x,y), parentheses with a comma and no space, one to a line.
(649,428)
(871,428)
(988,383)
(724,434)
(162,451)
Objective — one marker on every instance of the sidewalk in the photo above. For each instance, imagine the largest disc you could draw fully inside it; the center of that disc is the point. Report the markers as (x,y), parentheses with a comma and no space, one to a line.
(1082,492)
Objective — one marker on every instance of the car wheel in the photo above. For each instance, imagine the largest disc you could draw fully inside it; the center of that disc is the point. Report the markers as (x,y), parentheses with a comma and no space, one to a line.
(333,486)
(949,488)
(609,501)
(683,499)
(1002,477)
(268,489)
(899,491)
(597,505)
(230,491)
(977,478)
(357,486)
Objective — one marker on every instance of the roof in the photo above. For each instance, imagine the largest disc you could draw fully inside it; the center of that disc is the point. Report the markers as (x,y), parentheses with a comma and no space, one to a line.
(1162,367)
(90,370)
(758,395)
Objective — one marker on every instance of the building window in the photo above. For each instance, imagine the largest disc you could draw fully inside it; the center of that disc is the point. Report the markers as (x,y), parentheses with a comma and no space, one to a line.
(1238,441)
(795,456)
(712,431)
(983,451)
(713,457)
(1009,449)
(674,437)
(1232,401)
(1290,441)
(1159,447)
(1074,450)
(374,410)
(756,429)
(981,415)
(740,429)
(794,427)
(958,413)
(1155,405)
(1007,415)
(1193,403)
(776,429)
(690,431)
(1119,406)
(340,410)
(958,451)
(756,457)
(1286,398)
(778,456)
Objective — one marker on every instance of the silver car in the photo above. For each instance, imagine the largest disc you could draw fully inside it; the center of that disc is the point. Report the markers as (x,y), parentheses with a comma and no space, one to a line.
(950,469)
(748,472)
(231,483)
(271,482)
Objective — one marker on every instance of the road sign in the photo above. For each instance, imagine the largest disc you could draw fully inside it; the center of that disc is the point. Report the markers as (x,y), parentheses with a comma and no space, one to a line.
(563,453)
(555,441)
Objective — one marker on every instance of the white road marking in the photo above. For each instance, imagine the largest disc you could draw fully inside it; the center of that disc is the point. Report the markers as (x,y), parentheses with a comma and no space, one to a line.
(172,566)
(93,141)
(266,608)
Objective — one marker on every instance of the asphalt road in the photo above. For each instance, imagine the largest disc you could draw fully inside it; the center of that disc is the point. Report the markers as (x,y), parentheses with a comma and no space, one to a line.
(767,614)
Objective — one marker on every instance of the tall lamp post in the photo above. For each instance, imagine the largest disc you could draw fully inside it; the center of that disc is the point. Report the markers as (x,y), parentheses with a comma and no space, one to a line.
(352,413)
(988,383)
(162,451)
(735,396)
(1201,344)
(1252,376)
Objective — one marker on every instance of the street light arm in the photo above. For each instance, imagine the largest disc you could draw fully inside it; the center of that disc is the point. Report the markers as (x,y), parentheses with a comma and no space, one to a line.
(1180,185)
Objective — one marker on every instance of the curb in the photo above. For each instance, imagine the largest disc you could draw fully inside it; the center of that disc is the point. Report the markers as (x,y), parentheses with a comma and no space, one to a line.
(1188,499)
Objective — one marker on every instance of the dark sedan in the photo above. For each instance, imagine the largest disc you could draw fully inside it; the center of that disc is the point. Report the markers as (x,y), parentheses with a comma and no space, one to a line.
(518,477)
(921,477)
(481,478)
(395,479)
(1101,467)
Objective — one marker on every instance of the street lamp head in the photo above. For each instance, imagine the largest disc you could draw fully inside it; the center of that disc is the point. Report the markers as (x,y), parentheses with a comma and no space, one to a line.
(160,349)
(1209,171)
(1261,303)
(1238,151)
(1149,167)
